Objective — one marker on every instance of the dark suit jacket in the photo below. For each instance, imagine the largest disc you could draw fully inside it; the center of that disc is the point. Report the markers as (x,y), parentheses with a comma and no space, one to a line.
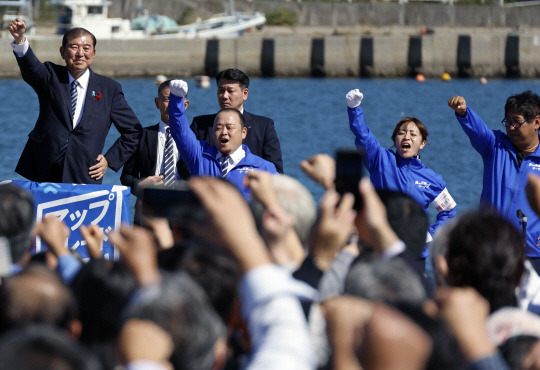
(143,162)
(54,126)
(261,137)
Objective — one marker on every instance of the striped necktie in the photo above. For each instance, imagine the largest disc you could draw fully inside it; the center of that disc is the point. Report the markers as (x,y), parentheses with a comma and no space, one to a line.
(168,160)
(224,165)
(62,153)
(74,94)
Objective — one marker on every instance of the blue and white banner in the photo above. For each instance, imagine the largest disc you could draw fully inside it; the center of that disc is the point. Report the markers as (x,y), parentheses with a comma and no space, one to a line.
(78,204)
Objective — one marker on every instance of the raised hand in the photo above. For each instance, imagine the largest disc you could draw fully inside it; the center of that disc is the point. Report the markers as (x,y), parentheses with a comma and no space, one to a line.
(17,28)
(93,235)
(458,104)
(321,168)
(332,228)
(179,88)
(354,98)
(139,253)
(54,233)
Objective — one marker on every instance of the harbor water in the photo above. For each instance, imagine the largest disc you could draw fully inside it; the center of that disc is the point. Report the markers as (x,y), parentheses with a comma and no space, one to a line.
(311,117)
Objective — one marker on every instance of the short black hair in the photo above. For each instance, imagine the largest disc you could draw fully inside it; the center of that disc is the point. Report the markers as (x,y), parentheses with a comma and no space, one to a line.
(527,103)
(485,251)
(234,74)
(515,349)
(77,31)
(238,113)
(407,218)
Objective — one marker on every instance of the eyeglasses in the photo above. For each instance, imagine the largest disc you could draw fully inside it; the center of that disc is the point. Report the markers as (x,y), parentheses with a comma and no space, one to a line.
(506,123)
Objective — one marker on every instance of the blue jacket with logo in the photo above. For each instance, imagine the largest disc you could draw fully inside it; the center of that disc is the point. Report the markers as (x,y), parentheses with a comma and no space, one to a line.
(504,181)
(201,156)
(388,170)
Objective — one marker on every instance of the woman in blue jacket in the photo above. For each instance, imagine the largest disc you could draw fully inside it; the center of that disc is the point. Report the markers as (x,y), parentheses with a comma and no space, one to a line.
(401,170)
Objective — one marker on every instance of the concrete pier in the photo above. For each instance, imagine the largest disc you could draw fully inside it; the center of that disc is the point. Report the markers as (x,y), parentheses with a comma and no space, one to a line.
(323,52)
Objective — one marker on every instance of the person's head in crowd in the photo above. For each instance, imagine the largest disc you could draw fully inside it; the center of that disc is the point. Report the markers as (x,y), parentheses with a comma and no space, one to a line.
(102,289)
(17,220)
(296,200)
(481,250)
(229,130)
(38,295)
(43,346)
(389,281)
(215,270)
(515,349)
(233,88)
(78,50)
(445,351)
(181,307)
(522,119)
(409,137)
(162,101)
(407,218)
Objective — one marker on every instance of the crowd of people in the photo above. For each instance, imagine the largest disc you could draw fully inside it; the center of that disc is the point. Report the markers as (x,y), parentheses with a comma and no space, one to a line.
(251,272)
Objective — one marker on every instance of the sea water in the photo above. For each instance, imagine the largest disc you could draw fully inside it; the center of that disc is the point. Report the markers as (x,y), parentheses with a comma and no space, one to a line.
(310,116)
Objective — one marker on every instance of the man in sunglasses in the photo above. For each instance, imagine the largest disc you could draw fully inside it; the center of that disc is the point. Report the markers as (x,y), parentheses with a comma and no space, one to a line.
(509,158)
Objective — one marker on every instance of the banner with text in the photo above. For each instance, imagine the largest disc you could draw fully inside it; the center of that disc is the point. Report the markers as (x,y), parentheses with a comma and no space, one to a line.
(78,204)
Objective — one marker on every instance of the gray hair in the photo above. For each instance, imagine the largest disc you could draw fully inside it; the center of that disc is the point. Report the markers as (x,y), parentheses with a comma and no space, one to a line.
(296,200)
(390,281)
(181,307)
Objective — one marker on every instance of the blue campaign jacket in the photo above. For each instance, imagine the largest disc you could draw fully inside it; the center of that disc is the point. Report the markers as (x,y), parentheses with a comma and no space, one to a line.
(201,156)
(504,182)
(388,170)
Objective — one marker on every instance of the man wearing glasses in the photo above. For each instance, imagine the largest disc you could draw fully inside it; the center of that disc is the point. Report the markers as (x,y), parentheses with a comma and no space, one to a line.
(508,158)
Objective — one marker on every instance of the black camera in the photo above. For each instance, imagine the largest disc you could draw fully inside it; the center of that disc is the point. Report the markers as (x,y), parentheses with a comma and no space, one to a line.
(179,204)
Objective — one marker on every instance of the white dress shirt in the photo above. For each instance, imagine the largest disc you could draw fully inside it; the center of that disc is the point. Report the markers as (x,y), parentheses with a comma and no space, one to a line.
(162,137)
(235,157)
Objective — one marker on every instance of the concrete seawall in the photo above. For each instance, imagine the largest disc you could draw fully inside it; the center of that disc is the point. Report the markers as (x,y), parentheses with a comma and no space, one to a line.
(463,53)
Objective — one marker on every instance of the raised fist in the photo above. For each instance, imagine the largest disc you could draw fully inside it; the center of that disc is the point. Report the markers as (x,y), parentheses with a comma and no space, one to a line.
(178,88)
(354,98)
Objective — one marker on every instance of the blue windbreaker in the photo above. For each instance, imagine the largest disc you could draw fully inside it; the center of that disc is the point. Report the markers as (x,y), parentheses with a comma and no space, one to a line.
(201,156)
(504,181)
(388,170)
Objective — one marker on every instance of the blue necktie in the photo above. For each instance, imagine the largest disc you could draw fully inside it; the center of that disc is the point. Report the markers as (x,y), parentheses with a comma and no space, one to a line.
(168,160)
(224,165)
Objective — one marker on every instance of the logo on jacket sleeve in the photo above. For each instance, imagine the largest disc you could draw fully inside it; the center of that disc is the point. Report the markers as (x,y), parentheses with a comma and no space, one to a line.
(422,184)
(535,167)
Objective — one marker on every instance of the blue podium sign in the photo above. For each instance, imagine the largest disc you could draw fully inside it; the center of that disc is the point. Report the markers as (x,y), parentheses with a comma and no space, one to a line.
(78,204)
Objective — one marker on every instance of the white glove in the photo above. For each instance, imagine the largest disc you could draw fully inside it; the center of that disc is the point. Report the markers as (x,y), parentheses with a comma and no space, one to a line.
(354,98)
(178,88)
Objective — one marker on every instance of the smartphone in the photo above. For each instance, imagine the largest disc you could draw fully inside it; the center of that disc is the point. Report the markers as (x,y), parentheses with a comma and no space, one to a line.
(349,170)
(179,204)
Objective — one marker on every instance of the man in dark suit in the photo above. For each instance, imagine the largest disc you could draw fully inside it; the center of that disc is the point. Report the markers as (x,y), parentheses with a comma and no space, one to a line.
(261,137)
(147,165)
(77,107)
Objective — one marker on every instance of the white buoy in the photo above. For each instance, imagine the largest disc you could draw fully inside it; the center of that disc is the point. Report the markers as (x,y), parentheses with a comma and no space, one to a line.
(202,82)
(159,79)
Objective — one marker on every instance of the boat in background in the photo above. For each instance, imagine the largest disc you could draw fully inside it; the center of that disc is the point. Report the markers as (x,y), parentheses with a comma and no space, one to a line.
(93,15)
(221,26)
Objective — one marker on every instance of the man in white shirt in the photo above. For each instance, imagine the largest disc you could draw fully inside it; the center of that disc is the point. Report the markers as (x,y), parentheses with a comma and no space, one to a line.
(147,166)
